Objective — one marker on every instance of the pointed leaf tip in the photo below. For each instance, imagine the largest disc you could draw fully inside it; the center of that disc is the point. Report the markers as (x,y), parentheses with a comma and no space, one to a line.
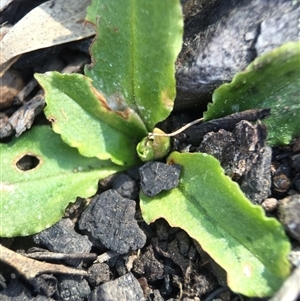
(134,53)
(270,81)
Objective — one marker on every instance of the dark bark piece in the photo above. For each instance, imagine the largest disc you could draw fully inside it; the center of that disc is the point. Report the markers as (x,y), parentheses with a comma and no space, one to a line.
(194,134)
(125,288)
(236,151)
(221,145)
(23,118)
(244,156)
(6,129)
(157,176)
(289,209)
(256,184)
(148,266)
(110,219)
(62,238)
(98,273)
(223,37)
(125,186)
(73,288)
(30,86)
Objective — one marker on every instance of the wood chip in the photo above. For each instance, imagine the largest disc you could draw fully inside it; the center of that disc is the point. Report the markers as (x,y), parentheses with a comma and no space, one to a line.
(52,23)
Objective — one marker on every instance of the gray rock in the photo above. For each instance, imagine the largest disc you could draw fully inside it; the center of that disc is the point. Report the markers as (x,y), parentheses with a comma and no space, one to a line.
(73,288)
(157,176)
(222,37)
(62,238)
(125,288)
(110,219)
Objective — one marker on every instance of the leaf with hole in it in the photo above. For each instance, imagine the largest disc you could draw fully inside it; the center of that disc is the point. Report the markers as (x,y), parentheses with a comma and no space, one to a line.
(34,199)
(212,209)
(134,54)
(271,81)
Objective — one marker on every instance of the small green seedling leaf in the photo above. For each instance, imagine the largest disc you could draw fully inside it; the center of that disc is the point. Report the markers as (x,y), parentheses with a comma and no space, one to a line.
(212,209)
(271,81)
(134,54)
(154,147)
(81,116)
(32,200)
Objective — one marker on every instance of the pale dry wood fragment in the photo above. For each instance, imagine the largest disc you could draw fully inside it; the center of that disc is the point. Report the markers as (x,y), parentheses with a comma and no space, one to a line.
(51,23)
(30,268)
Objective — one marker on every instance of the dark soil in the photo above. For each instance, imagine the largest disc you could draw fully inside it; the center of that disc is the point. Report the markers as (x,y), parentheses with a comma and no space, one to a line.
(126,259)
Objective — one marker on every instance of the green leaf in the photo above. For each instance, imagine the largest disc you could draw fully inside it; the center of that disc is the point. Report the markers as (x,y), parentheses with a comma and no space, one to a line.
(271,81)
(35,199)
(212,209)
(83,119)
(134,54)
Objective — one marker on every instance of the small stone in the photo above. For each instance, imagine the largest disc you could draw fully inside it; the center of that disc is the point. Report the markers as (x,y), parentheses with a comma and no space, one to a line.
(125,186)
(98,273)
(17,290)
(294,257)
(269,204)
(148,266)
(73,288)
(109,219)
(62,238)
(45,285)
(289,209)
(250,35)
(157,176)
(281,183)
(125,288)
